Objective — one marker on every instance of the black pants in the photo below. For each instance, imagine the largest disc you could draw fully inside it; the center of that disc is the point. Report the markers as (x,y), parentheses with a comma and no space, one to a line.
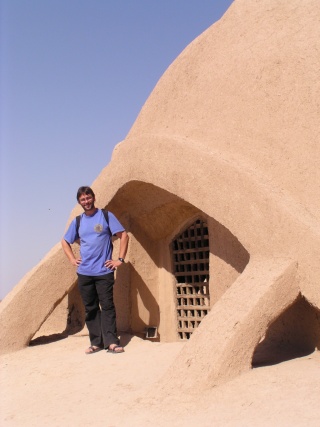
(97,297)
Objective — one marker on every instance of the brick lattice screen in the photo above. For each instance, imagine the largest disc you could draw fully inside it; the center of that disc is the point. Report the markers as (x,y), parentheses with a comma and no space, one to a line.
(191,269)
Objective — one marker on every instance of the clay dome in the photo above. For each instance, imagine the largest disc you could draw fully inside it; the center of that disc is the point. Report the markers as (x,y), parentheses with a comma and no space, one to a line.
(226,148)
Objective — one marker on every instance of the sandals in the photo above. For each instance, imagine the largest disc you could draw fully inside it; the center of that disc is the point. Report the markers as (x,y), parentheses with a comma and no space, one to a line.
(93,349)
(115,350)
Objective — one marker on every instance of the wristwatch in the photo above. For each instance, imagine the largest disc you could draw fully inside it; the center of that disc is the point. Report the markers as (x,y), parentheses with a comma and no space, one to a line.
(121,259)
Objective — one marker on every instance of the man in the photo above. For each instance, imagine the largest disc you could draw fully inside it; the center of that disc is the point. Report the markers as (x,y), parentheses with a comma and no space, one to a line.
(95,269)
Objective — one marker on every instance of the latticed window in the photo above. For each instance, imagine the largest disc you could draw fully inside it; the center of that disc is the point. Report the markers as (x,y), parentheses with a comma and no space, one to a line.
(191,269)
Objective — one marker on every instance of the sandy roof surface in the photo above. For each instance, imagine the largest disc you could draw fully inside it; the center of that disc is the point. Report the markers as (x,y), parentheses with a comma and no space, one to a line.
(56,384)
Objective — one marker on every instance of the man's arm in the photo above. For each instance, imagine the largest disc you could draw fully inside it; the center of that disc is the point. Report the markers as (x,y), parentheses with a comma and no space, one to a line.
(68,251)
(124,240)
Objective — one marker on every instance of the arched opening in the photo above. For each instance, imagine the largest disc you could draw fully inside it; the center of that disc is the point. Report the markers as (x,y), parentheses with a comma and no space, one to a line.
(144,294)
(295,333)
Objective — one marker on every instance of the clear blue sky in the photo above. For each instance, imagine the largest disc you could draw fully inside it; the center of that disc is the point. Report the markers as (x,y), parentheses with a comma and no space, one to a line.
(74,76)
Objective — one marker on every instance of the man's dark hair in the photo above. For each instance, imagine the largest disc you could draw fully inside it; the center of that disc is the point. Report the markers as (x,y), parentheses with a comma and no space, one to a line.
(85,190)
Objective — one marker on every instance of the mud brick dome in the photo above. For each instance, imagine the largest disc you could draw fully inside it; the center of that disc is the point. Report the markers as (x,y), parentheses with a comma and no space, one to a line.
(217,183)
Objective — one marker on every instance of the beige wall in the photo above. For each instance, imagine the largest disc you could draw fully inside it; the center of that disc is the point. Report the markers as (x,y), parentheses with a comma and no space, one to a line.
(230,132)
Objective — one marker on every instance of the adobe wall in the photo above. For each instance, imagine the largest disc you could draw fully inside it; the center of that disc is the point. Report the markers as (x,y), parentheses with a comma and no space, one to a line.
(229,133)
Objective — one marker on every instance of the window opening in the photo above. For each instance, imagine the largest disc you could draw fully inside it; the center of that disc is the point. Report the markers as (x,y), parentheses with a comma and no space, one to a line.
(191,269)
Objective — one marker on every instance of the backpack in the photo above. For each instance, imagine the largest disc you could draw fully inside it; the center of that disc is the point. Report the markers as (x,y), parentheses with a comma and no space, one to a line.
(78,219)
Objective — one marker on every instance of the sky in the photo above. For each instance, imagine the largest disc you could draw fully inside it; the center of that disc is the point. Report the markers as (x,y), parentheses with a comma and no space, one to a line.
(74,75)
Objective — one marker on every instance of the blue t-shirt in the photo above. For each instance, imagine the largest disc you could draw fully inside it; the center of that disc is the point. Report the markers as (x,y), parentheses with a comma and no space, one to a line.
(95,241)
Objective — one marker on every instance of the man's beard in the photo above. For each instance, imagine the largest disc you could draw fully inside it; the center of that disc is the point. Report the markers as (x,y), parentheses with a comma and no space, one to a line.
(89,208)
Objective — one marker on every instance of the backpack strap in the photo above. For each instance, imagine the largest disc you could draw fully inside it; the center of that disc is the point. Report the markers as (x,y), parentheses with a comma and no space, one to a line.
(106,215)
(78,219)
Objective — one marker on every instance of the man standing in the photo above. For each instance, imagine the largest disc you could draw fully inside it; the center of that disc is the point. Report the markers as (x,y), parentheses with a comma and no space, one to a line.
(95,269)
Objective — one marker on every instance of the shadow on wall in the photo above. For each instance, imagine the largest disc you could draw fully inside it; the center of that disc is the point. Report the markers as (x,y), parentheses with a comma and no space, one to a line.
(295,333)
(68,318)
(227,247)
(155,214)
(141,295)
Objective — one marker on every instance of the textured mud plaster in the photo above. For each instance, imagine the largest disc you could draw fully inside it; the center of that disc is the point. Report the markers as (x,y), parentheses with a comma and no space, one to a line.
(229,134)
